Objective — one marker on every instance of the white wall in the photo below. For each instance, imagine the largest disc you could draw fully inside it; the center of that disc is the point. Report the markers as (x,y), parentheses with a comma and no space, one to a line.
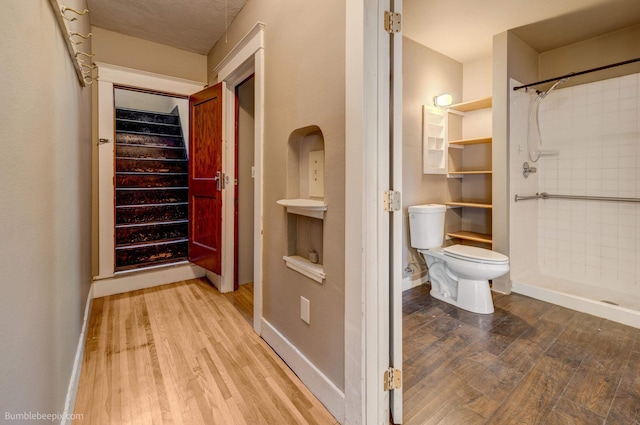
(595,129)
(44,209)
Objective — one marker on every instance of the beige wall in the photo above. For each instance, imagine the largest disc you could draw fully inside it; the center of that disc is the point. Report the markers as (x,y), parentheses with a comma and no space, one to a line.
(426,73)
(304,86)
(131,52)
(44,209)
(610,48)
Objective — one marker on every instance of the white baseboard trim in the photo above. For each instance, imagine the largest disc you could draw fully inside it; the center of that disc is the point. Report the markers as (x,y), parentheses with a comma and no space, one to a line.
(408,283)
(326,391)
(615,313)
(125,282)
(74,381)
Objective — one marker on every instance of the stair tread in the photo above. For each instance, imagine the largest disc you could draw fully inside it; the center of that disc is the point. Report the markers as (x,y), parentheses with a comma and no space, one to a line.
(129,158)
(151,173)
(153,188)
(147,122)
(142,133)
(163,204)
(151,223)
(152,243)
(144,145)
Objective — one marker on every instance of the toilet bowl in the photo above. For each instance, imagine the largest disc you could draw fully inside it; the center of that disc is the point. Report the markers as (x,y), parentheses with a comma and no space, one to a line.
(459,274)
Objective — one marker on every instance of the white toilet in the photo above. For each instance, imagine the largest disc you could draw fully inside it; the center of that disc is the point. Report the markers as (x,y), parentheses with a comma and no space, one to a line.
(459,274)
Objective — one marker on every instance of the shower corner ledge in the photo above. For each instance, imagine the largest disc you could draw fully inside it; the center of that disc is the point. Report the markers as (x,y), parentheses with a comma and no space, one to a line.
(307,207)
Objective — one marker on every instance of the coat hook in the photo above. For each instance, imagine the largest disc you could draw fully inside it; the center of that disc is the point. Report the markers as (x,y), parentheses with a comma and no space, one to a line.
(85,54)
(63,9)
(90,66)
(72,33)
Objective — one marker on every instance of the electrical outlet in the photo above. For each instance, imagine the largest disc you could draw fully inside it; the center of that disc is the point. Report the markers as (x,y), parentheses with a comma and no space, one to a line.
(316,174)
(305,310)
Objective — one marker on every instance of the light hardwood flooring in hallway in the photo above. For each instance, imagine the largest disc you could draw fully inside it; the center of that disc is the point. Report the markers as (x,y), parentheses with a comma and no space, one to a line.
(183,354)
(529,362)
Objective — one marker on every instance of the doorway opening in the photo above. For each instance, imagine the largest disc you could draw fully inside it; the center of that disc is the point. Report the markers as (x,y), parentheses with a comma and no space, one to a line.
(244,193)
(150,179)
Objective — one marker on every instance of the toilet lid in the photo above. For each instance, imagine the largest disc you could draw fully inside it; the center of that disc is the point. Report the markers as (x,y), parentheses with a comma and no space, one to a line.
(473,253)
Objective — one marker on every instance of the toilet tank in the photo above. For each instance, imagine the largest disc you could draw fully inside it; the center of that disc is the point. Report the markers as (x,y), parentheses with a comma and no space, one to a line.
(426,226)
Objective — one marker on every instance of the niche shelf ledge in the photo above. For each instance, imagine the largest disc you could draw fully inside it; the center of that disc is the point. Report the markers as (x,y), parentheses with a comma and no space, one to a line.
(307,207)
(305,267)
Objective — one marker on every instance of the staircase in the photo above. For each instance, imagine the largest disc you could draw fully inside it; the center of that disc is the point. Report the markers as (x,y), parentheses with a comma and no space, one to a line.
(151,190)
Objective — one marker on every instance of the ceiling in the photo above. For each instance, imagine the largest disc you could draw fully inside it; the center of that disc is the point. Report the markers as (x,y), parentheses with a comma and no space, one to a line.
(464,29)
(460,29)
(192,25)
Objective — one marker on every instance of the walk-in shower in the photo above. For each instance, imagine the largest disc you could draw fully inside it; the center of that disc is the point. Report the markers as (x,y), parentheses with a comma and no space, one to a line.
(578,245)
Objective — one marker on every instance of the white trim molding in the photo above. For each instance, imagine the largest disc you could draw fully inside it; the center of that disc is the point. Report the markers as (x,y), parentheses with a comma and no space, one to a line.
(145,278)
(74,381)
(317,382)
(111,75)
(246,58)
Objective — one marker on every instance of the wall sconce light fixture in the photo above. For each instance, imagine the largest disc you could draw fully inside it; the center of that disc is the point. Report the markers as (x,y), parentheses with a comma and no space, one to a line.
(444,99)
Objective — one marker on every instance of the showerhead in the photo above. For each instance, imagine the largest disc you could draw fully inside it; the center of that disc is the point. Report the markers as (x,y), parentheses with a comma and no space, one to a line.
(543,94)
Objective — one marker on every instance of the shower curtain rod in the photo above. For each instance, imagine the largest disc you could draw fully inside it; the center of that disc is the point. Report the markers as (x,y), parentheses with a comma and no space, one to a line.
(545,195)
(574,74)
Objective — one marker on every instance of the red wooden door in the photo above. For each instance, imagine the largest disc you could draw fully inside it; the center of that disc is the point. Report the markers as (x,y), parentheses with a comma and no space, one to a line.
(205,178)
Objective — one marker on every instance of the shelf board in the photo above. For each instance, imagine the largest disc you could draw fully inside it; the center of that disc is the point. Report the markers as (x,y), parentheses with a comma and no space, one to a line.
(471,236)
(472,172)
(473,105)
(305,267)
(469,204)
(477,141)
(307,207)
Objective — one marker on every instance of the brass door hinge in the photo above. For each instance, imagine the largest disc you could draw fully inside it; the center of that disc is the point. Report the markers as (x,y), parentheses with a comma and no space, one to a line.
(392,22)
(392,201)
(392,379)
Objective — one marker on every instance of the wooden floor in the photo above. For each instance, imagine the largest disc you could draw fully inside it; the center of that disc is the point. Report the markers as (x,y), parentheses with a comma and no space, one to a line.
(183,354)
(530,362)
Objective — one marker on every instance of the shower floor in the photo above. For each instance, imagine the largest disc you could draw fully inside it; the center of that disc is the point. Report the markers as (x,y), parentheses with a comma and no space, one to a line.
(610,304)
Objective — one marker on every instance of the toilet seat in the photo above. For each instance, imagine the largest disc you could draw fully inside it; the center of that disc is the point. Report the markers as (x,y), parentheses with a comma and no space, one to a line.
(475,254)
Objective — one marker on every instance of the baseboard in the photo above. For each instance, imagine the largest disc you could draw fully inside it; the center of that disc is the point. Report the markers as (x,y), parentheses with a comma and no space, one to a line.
(74,381)
(325,390)
(408,283)
(618,314)
(125,282)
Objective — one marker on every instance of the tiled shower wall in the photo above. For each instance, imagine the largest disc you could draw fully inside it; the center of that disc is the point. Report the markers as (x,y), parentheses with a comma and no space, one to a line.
(595,127)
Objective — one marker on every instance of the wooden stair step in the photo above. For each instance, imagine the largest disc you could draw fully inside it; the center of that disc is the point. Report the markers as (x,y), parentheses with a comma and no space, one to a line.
(146,255)
(134,214)
(151,179)
(149,165)
(149,140)
(154,117)
(147,127)
(128,234)
(141,151)
(138,196)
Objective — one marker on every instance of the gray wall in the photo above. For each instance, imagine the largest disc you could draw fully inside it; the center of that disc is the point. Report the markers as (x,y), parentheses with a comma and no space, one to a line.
(44,209)
(426,73)
(246,100)
(304,86)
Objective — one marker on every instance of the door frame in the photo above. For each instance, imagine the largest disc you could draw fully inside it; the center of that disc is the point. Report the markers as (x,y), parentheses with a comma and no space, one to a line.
(103,202)
(370,274)
(246,58)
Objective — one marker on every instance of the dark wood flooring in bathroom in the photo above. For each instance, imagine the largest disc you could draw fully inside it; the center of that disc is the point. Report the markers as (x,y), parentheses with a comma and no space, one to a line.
(529,362)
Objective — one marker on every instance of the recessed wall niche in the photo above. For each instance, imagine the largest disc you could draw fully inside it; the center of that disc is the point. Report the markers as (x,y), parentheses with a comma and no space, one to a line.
(305,164)
(304,204)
